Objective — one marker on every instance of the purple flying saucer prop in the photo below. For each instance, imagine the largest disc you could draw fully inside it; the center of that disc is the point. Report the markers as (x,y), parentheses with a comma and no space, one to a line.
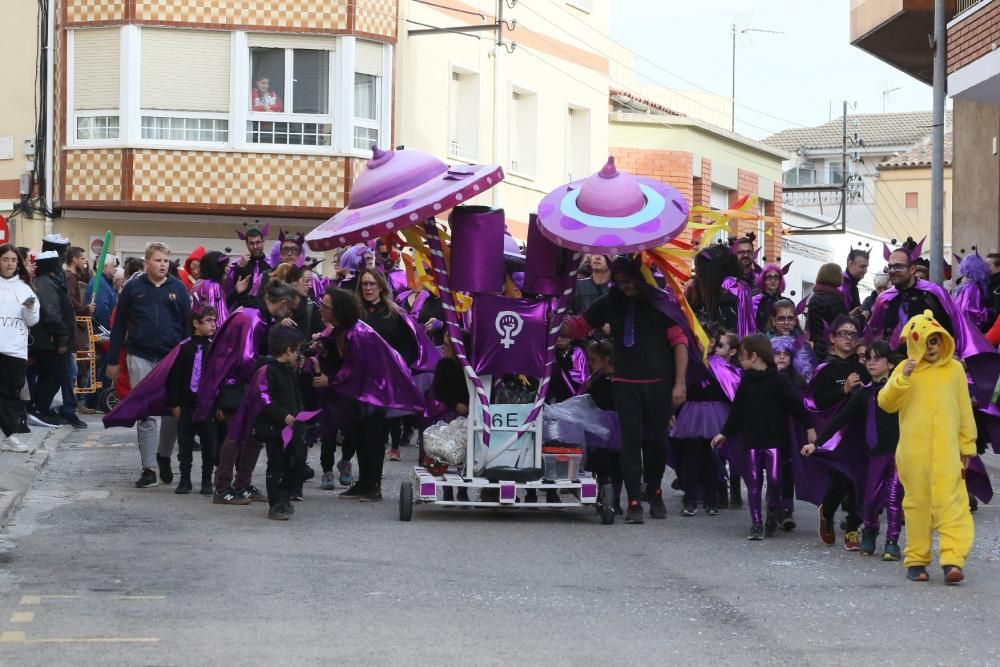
(398,189)
(612,212)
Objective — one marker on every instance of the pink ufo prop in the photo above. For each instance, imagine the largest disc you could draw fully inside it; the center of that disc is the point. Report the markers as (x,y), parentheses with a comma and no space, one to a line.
(612,212)
(398,189)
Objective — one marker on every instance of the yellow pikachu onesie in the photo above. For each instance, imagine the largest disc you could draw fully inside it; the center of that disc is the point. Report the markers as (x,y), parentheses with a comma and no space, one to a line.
(936,428)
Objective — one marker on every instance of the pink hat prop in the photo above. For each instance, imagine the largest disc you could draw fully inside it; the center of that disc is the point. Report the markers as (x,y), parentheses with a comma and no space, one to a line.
(613,212)
(397,189)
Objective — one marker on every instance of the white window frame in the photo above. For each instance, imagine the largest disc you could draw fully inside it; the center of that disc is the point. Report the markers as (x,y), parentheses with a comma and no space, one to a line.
(572,106)
(383,104)
(452,102)
(72,115)
(513,153)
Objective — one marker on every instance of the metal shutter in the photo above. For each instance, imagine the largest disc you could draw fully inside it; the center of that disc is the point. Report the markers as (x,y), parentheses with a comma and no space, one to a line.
(96,65)
(185,70)
(368,57)
(292,41)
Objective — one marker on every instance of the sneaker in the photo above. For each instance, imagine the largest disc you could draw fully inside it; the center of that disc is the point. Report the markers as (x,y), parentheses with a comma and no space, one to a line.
(851,541)
(973,503)
(44,421)
(711,510)
(289,507)
(253,493)
(296,497)
(206,489)
(229,496)
(146,479)
(166,474)
(326,482)
(952,574)
(868,541)
(771,524)
(183,486)
(346,476)
(353,493)
(917,573)
(371,497)
(787,522)
(278,512)
(891,553)
(689,510)
(634,513)
(657,510)
(12,444)
(309,473)
(74,421)
(826,533)
(394,454)
(756,532)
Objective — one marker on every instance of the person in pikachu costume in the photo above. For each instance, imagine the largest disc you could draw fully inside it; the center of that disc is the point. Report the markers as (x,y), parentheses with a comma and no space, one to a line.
(937,438)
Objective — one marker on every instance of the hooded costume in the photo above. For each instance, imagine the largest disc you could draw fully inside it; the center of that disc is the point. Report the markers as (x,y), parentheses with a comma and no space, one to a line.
(209,291)
(936,428)
(184,273)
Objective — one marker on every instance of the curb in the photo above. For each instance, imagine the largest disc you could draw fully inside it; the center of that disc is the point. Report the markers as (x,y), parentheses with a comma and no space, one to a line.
(19,479)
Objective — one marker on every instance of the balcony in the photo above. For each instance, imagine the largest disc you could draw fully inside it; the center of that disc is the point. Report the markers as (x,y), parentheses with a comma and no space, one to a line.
(895,31)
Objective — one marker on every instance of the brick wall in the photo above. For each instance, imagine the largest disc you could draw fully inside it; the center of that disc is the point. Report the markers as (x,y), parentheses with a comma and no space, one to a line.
(974,37)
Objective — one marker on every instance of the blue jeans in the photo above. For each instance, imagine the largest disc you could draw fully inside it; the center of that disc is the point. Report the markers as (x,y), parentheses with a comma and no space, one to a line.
(68,407)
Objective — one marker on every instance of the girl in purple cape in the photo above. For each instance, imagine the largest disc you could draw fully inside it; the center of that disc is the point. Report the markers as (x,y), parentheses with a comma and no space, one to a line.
(209,290)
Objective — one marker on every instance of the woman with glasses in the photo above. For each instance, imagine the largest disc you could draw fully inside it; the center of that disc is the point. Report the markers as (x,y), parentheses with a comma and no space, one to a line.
(825,305)
(770,289)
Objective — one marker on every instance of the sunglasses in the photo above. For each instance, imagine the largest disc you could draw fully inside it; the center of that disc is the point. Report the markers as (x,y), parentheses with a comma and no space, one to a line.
(897,268)
(847,335)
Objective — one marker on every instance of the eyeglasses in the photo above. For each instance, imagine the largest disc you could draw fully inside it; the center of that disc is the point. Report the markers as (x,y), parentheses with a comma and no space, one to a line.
(772,276)
(291,250)
(897,268)
(369,283)
(847,335)
(744,253)
(785,318)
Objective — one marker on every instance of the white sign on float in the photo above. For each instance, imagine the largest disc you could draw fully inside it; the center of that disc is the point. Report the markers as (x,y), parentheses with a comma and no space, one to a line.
(508,325)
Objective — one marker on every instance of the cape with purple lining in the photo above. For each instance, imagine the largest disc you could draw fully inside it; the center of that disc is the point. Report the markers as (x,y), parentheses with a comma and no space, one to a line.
(209,293)
(148,398)
(232,356)
(982,361)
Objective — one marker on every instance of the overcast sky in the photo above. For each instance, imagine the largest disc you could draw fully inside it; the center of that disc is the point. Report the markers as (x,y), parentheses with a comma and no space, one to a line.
(793,76)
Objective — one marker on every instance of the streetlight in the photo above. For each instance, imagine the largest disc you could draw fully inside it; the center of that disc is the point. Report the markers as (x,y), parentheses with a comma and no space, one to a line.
(741,31)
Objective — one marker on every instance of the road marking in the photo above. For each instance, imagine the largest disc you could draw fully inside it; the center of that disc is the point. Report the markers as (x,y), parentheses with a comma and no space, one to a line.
(22,617)
(141,597)
(37,599)
(18,637)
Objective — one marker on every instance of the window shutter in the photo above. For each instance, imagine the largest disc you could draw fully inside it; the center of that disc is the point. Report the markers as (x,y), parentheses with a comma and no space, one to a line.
(292,41)
(96,64)
(185,70)
(368,58)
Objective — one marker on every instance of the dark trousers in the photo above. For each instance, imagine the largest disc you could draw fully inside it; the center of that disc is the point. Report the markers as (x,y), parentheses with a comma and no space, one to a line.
(369,438)
(841,491)
(285,466)
(13,417)
(328,448)
(644,411)
(187,430)
(51,368)
(698,471)
(239,455)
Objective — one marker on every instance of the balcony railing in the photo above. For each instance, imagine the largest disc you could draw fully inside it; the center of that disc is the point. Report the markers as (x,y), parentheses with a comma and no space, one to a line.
(964,5)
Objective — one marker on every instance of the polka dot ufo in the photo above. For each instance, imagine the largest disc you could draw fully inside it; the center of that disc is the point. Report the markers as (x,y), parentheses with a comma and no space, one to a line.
(613,212)
(398,189)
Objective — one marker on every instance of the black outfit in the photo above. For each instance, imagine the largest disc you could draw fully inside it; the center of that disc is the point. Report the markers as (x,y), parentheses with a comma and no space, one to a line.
(285,465)
(644,374)
(13,417)
(993,297)
(851,287)
(855,411)
(824,308)
(234,299)
(606,464)
(763,403)
(56,329)
(431,309)
(450,387)
(827,388)
(914,301)
(180,395)
(389,324)
(765,309)
(696,462)
(587,292)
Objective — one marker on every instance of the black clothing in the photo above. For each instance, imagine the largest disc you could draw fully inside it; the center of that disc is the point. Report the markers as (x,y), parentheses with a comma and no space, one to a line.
(993,297)
(601,391)
(154,318)
(450,387)
(431,309)
(388,323)
(725,313)
(561,385)
(760,410)
(56,323)
(586,293)
(914,301)
(827,386)
(650,357)
(234,299)
(765,309)
(206,432)
(51,368)
(697,471)
(286,399)
(855,411)
(824,308)
(179,394)
(13,416)
(307,318)
(851,287)
(644,410)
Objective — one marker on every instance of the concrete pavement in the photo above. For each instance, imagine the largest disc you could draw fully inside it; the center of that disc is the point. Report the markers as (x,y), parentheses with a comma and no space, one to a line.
(98,572)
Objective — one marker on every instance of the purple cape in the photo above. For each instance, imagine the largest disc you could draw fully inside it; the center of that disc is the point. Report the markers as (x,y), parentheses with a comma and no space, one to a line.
(427,353)
(255,400)
(148,398)
(232,357)
(745,322)
(969,301)
(209,293)
(727,375)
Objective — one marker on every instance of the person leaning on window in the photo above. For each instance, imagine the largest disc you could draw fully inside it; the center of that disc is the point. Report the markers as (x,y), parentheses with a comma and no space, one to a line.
(263,98)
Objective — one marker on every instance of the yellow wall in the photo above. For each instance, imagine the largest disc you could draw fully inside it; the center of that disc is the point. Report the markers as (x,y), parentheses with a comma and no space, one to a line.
(892,219)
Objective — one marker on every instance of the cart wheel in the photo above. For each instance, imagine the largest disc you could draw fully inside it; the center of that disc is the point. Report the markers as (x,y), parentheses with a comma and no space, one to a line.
(405,501)
(108,399)
(608,504)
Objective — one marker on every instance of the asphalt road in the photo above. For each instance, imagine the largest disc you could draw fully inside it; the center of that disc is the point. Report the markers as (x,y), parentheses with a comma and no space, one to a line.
(95,572)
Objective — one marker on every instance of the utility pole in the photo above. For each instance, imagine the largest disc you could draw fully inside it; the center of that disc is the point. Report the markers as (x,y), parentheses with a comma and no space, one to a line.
(740,31)
(843,172)
(937,145)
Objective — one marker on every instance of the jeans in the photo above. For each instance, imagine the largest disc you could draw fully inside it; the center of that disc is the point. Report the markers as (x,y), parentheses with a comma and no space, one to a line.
(13,418)
(241,456)
(644,412)
(68,407)
(156,434)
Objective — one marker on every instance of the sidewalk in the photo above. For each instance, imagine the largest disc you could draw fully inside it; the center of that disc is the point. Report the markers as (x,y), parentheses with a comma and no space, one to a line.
(19,471)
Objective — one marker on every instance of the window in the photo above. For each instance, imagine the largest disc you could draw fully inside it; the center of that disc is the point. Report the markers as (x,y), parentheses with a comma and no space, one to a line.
(523,132)
(184,87)
(577,143)
(911,200)
(803,173)
(463,116)
(368,58)
(719,202)
(95,83)
(835,173)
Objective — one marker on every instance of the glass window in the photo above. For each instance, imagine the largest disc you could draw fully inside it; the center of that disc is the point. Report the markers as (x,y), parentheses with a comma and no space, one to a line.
(169,128)
(311,85)
(366,96)
(267,70)
(836,173)
(90,128)
(289,134)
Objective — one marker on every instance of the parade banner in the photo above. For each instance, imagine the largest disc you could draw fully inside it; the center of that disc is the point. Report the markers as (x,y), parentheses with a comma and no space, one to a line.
(508,336)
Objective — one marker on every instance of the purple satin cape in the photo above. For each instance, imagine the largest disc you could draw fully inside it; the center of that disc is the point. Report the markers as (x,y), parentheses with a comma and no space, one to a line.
(727,375)
(969,301)
(745,322)
(578,373)
(665,302)
(977,480)
(255,400)
(148,398)
(397,281)
(209,293)
(232,357)
(427,353)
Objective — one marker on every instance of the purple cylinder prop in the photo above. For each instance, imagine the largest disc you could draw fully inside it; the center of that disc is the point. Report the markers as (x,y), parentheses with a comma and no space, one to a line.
(544,272)
(477,249)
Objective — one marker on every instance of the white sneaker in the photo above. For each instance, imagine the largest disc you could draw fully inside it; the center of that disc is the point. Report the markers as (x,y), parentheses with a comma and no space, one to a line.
(12,444)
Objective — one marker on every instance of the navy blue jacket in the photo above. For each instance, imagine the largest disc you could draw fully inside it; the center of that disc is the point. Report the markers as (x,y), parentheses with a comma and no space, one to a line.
(107,299)
(150,320)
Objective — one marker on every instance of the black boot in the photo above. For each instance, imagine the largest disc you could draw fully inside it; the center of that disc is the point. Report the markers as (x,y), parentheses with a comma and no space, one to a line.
(735,493)
(207,488)
(166,474)
(184,486)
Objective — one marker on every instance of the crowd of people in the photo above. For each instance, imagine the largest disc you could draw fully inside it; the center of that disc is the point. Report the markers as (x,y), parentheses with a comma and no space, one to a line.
(826,400)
